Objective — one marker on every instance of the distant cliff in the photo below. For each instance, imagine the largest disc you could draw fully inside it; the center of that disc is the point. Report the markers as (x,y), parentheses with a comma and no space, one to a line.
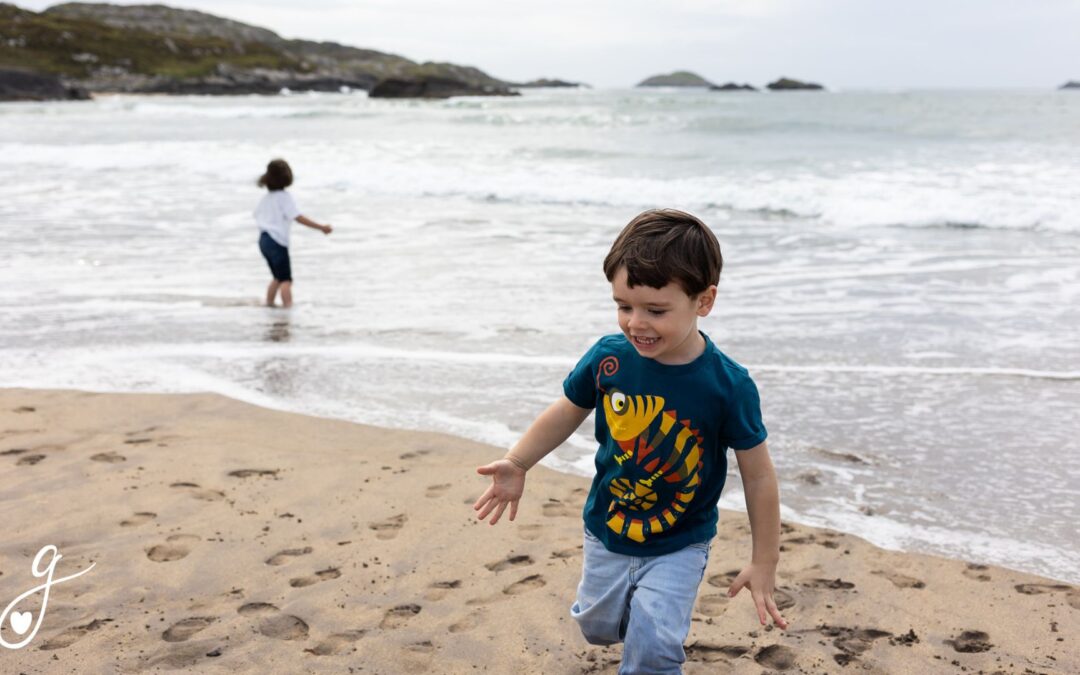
(154,48)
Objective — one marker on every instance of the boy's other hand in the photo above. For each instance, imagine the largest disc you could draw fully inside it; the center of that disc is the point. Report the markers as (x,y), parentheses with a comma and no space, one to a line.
(760,578)
(507,485)
(327,229)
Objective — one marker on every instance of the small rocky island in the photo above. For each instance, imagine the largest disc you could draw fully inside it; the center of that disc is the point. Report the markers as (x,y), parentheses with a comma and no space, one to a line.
(681,78)
(1071,84)
(550,83)
(75,49)
(731,86)
(788,84)
(685,78)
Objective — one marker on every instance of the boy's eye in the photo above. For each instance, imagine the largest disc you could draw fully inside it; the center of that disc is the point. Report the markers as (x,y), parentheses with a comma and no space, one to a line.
(657,312)
(624,308)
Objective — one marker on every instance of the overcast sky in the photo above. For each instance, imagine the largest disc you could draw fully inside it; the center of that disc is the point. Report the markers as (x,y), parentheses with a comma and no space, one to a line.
(840,43)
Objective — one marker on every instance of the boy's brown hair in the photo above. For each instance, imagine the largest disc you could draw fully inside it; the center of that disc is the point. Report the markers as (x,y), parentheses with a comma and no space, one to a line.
(278,175)
(664,245)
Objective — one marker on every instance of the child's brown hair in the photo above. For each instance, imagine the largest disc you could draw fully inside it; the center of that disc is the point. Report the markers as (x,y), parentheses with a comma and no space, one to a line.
(664,245)
(278,175)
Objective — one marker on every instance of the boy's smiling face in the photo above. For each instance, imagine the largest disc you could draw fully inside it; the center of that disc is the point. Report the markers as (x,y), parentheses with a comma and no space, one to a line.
(661,323)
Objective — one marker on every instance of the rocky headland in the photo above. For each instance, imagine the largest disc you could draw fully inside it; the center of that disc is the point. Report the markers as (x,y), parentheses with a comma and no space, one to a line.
(97,48)
(24,85)
(1071,84)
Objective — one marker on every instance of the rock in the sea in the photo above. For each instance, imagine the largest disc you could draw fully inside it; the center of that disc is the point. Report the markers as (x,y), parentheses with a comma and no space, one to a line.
(1071,84)
(731,86)
(545,82)
(681,78)
(788,84)
(25,85)
(433,86)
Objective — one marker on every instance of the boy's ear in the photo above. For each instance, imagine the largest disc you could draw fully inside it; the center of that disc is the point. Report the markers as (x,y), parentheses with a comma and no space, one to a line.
(705,301)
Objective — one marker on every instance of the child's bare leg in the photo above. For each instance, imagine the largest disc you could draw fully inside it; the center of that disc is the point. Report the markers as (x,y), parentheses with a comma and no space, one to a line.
(271,292)
(286,293)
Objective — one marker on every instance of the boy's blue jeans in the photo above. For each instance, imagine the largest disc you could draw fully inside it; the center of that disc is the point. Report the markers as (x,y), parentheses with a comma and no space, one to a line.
(645,603)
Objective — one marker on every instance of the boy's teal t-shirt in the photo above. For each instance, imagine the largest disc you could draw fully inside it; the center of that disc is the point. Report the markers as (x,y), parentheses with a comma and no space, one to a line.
(664,432)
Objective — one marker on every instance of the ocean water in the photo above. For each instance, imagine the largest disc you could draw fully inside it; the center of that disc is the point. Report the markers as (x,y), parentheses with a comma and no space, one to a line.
(902,276)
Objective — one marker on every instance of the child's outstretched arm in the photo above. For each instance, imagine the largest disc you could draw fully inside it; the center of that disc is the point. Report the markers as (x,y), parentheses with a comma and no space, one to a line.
(546,433)
(763,508)
(304,220)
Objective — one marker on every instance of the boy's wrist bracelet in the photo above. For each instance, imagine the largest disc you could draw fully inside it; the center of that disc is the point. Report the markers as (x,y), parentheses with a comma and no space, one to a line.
(516,462)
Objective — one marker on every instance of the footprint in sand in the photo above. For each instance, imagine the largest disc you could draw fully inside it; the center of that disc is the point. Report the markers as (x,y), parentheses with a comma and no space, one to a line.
(322,575)
(140,518)
(138,441)
(977,572)
(29,460)
(284,627)
(709,653)
(182,630)
(556,509)
(256,608)
(510,563)
(13,451)
(713,604)
(834,584)
(70,636)
(783,599)
(566,553)
(1072,595)
(108,457)
(399,616)
(283,557)
(25,409)
(530,532)
(778,657)
(466,624)
(414,454)
(175,547)
(388,529)
(723,580)
(439,589)
(254,473)
(900,580)
(204,494)
(852,641)
(970,642)
(525,585)
(434,491)
(338,643)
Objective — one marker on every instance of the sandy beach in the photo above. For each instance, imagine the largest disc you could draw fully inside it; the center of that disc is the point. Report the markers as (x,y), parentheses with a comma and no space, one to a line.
(227,537)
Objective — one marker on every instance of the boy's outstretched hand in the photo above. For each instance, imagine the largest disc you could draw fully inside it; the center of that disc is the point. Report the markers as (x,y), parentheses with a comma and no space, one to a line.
(507,484)
(760,578)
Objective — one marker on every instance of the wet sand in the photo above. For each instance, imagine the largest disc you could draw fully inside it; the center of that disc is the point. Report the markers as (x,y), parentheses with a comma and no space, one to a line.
(228,537)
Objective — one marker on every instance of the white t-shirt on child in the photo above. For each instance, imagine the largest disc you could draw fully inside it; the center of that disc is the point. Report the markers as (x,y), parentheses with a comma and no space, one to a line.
(275,215)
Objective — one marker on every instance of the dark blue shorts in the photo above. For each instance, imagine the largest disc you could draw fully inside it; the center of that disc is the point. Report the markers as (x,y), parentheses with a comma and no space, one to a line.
(277,257)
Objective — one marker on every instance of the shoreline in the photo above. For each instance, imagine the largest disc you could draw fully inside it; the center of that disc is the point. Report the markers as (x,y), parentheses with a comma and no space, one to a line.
(228,536)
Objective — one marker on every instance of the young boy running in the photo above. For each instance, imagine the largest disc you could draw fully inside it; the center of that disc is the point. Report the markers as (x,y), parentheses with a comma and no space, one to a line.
(669,405)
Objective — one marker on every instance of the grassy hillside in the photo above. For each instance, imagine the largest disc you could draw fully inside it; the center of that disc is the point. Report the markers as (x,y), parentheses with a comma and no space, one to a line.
(76,48)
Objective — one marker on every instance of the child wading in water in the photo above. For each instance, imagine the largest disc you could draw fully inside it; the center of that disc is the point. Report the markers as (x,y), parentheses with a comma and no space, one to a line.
(669,404)
(274,215)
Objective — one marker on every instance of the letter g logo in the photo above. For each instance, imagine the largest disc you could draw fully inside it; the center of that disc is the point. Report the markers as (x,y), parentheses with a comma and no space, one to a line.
(20,621)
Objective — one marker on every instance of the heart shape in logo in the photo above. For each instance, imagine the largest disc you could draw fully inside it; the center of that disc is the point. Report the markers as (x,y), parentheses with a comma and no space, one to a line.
(20,621)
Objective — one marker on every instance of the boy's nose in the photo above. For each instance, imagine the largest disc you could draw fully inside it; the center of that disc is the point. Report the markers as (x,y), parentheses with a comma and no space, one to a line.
(637,321)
